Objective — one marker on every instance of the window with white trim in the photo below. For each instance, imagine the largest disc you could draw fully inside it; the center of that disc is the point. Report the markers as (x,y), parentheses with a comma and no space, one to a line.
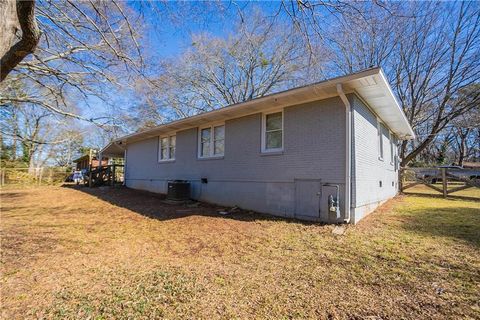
(272,135)
(166,148)
(380,141)
(211,141)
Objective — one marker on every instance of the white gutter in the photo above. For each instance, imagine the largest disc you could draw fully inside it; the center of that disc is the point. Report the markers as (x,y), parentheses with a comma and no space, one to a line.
(348,151)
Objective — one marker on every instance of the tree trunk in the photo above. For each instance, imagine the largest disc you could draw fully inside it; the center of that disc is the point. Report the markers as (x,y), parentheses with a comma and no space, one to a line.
(463,146)
(31,166)
(15,139)
(409,157)
(8,25)
(25,10)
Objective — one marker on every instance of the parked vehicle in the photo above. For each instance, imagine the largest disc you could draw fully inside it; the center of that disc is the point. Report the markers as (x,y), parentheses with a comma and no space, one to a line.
(78,177)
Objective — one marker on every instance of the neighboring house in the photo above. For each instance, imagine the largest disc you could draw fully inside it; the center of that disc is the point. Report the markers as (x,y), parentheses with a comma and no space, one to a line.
(284,154)
(84,162)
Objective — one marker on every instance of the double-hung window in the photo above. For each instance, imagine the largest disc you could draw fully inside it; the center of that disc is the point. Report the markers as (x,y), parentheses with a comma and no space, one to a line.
(211,141)
(272,135)
(166,148)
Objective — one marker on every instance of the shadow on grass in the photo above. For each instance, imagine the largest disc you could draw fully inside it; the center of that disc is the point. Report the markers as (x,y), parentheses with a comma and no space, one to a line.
(459,223)
(7,195)
(154,205)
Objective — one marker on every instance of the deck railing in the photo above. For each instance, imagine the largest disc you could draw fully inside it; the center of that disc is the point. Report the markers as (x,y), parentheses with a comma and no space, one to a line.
(105,175)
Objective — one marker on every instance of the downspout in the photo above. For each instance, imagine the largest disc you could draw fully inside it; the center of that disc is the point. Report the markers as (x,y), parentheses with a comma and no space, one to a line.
(348,151)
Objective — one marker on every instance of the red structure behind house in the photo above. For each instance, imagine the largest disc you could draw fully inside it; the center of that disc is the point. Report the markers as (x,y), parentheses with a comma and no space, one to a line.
(84,162)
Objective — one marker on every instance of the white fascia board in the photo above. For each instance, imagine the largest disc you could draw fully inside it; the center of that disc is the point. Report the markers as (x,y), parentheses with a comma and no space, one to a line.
(318,91)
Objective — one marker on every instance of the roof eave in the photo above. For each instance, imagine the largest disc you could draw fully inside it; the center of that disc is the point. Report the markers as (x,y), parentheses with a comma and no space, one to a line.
(317,91)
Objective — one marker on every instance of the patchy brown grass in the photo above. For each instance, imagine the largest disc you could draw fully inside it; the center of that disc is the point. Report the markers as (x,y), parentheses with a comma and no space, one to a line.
(78,253)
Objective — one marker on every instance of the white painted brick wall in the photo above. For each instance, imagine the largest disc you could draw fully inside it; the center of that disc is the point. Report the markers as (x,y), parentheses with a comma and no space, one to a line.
(368,169)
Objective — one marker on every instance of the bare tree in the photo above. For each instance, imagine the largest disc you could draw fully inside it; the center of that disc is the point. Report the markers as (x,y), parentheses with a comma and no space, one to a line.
(25,125)
(431,57)
(41,136)
(467,129)
(258,58)
(86,50)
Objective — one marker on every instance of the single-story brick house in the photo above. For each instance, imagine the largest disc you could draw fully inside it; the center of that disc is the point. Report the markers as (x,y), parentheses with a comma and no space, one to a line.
(287,154)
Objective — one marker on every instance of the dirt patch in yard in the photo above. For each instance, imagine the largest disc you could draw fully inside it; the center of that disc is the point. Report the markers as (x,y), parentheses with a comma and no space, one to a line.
(119,253)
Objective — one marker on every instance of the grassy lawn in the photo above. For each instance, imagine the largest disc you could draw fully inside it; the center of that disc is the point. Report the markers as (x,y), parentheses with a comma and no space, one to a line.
(112,254)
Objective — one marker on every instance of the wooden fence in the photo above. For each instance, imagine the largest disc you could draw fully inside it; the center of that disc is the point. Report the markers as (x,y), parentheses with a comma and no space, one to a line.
(33,176)
(443,180)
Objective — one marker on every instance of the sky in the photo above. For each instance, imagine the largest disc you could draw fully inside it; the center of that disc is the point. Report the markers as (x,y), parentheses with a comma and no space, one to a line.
(171,36)
(167,35)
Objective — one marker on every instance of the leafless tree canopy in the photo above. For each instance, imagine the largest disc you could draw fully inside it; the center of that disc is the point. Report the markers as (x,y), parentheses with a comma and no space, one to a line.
(431,53)
(83,44)
(87,50)
(90,51)
(258,58)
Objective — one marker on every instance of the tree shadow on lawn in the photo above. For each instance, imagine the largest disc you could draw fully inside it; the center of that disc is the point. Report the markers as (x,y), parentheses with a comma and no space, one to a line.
(462,223)
(155,205)
(8,195)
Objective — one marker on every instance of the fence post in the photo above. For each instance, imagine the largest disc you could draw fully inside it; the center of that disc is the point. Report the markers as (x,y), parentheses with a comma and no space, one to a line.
(444,182)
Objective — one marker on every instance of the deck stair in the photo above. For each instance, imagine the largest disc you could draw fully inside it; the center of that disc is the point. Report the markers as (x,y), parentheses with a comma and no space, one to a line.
(104,175)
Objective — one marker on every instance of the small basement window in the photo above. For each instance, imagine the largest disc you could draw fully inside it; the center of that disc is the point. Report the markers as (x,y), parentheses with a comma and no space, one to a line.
(272,135)
(166,148)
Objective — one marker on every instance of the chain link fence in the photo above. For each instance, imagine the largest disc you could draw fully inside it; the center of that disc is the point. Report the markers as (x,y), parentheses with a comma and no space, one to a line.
(13,177)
